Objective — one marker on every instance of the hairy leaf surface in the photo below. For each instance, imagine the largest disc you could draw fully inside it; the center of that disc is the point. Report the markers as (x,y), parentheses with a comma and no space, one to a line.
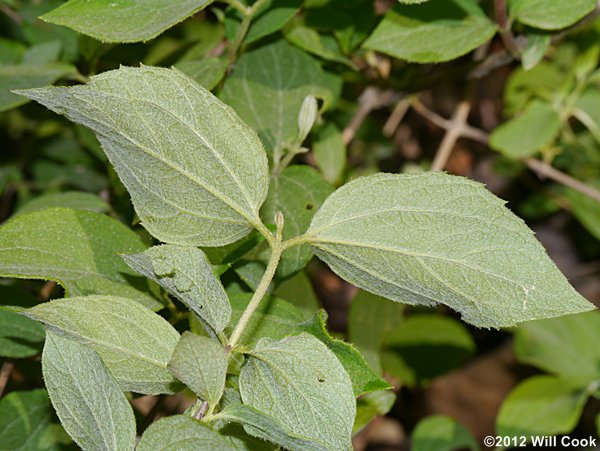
(434,238)
(182,433)
(123,20)
(196,173)
(186,273)
(86,397)
(300,383)
(134,343)
(78,249)
(201,364)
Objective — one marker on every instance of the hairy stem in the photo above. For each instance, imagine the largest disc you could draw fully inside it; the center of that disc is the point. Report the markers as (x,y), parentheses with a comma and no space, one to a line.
(276,250)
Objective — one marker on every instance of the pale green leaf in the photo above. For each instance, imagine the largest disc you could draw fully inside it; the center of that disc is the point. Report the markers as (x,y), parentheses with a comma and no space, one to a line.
(364,379)
(19,336)
(330,153)
(370,320)
(550,14)
(201,364)
(186,273)
(300,383)
(207,72)
(135,343)
(267,89)
(195,179)
(403,349)
(298,193)
(434,238)
(586,209)
(564,346)
(527,134)
(264,427)
(28,76)
(587,111)
(541,405)
(86,397)
(372,405)
(121,20)
(536,47)
(78,249)
(27,423)
(432,32)
(76,200)
(42,53)
(442,433)
(182,433)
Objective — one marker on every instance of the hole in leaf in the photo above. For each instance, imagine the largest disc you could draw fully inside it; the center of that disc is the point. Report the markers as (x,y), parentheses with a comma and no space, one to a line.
(320,379)
(309,206)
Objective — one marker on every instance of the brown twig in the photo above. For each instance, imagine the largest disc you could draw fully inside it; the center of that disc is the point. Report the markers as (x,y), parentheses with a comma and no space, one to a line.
(7,368)
(371,99)
(453,132)
(504,27)
(542,169)
(545,170)
(398,113)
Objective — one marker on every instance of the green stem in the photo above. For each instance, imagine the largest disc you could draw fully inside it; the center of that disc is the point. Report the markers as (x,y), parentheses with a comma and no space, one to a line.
(239,37)
(276,250)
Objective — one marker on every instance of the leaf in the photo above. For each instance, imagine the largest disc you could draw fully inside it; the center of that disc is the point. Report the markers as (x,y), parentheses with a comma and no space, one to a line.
(182,433)
(372,405)
(298,291)
(201,364)
(432,32)
(263,426)
(134,343)
(78,249)
(324,46)
(28,76)
(27,422)
(298,193)
(330,153)
(586,209)
(536,47)
(541,405)
(207,72)
(527,134)
(194,179)
(364,379)
(434,238)
(563,346)
(19,336)
(86,397)
(269,18)
(186,273)
(586,110)
(550,14)
(270,100)
(123,21)
(300,383)
(442,433)
(75,200)
(274,318)
(370,320)
(404,348)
